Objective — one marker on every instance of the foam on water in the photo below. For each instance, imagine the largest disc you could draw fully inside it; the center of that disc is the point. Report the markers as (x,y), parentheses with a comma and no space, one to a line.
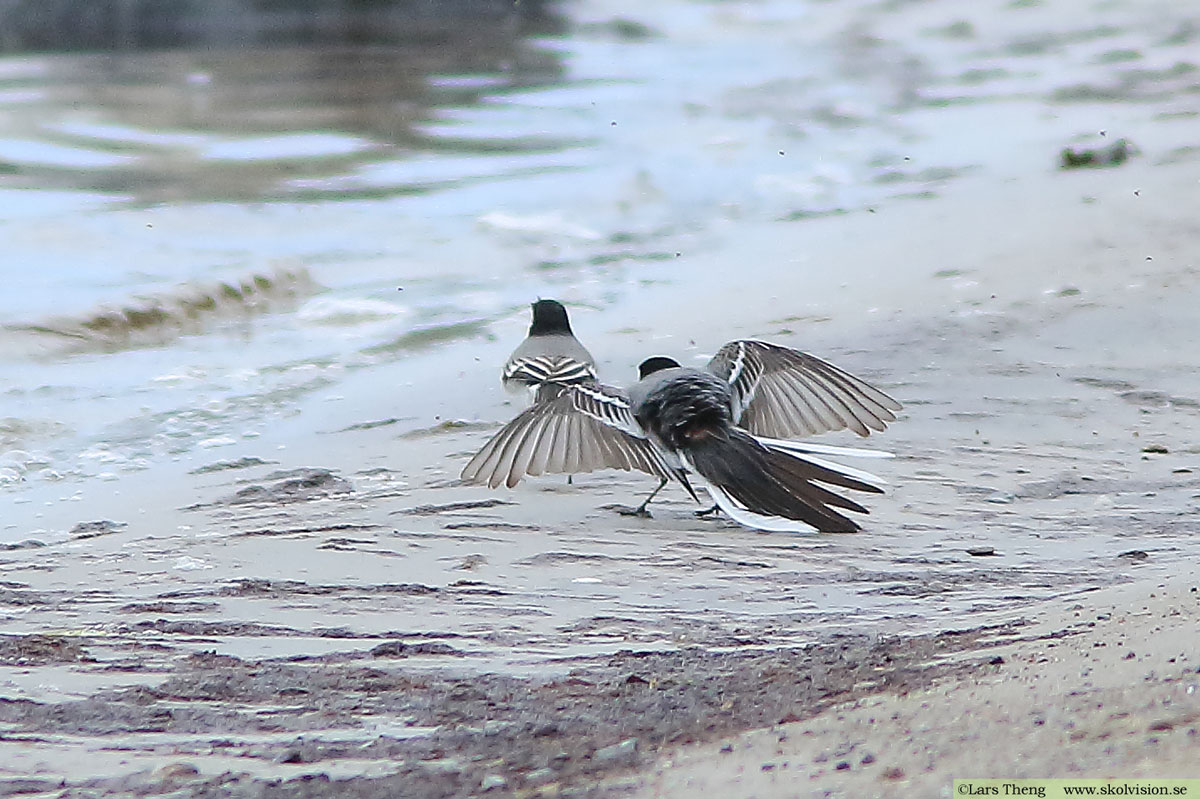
(348,311)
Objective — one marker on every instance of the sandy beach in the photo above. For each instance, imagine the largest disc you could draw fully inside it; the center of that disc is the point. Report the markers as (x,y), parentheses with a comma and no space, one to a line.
(318,608)
(1104,688)
(372,621)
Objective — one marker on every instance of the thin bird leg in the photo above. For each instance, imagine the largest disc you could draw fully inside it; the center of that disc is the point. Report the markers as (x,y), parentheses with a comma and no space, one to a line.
(640,510)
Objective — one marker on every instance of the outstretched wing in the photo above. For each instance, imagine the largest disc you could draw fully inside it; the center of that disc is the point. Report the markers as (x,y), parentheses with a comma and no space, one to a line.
(784,393)
(584,428)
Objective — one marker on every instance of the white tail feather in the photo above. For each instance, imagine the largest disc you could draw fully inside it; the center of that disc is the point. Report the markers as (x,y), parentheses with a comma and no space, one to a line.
(848,471)
(807,447)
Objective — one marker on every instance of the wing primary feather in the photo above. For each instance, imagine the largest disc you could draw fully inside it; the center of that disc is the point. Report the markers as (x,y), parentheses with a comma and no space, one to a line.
(837,406)
(470,472)
(489,457)
(827,418)
(782,392)
(810,421)
(545,446)
(591,456)
(526,448)
(843,407)
(508,453)
(558,451)
(612,453)
(860,386)
(852,404)
(860,395)
(574,442)
(787,412)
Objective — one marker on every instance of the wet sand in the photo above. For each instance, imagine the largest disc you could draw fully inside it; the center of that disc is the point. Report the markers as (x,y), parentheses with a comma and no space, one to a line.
(322,610)
(341,618)
(1106,687)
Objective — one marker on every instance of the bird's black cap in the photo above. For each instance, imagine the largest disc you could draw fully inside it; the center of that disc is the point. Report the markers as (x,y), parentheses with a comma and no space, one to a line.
(549,317)
(656,364)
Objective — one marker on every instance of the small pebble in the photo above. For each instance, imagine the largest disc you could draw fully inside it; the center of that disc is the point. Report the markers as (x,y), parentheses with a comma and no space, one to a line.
(491,781)
(625,750)
(445,765)
(186,771)
(539,776)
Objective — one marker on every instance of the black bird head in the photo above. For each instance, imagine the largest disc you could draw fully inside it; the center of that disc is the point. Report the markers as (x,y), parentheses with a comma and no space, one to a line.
(655,364)
(549,317)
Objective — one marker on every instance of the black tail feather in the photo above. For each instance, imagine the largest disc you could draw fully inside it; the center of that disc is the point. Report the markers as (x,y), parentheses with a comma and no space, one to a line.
(775,483)
(801,470)
(814,471)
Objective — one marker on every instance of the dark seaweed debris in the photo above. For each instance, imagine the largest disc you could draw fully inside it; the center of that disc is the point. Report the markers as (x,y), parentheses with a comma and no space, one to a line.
(1114,154)
(518,737)
(188,309)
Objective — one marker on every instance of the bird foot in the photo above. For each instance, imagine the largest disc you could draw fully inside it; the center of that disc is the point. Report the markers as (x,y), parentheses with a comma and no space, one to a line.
(640,512)
(702,514)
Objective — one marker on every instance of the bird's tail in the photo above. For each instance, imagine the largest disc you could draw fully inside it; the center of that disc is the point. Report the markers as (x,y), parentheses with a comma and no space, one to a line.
(768,486)
(823,449)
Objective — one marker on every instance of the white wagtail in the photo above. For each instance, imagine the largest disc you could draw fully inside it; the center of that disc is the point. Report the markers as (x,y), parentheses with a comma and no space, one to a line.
(769,391)
(550,357)
(764,483)
(587,426)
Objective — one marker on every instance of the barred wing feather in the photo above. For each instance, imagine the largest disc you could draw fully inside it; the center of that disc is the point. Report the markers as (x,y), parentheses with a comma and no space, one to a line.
(585,428)
(541,369)
(784,393)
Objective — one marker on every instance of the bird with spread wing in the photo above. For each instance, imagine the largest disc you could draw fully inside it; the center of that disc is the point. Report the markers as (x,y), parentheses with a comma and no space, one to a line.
(749,391)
